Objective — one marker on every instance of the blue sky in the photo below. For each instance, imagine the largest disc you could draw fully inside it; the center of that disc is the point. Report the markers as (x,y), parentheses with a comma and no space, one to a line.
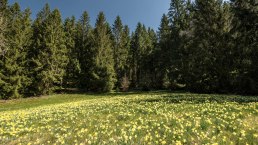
(148,12)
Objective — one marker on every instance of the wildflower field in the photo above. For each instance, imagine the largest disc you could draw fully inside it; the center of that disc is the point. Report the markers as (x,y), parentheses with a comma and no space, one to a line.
(132,118)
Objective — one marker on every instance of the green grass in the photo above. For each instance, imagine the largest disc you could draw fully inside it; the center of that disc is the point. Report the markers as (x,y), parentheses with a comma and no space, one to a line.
(130,118)
(26,103)
(42,101)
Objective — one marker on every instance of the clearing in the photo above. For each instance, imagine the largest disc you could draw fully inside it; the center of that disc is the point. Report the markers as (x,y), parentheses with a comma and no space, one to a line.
(130,118)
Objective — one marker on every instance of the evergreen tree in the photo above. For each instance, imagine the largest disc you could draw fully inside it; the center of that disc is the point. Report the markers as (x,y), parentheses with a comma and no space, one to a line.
(35,49)
(163,51)
(209,47)
(125,83)
(180,18)
(136,44)
(149,60)
(245,34)
(84,51)
(120,49)
(13,76)
(142,48)
(50,59)
(2,38)
(103,70)
(2,28)
(3,47)
(73,66)
(3,8)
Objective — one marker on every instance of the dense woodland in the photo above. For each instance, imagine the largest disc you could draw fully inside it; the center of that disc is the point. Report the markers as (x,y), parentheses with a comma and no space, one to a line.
(203,46)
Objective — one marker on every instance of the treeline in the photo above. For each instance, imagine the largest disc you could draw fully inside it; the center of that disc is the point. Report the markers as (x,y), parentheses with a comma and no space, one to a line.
(201,46)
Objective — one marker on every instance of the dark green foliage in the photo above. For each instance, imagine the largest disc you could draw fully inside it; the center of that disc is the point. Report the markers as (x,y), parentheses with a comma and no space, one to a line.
(180,31)
(73,68)
(142,62)
(162,52)
(121,48)
(3,7)
(49,58)
(84,51)
(136,47)
(3,48)
(209,65)
(13,73)
(103,74)
(126,39)
(149,61)
(2,29)
(202,46)
(245,40)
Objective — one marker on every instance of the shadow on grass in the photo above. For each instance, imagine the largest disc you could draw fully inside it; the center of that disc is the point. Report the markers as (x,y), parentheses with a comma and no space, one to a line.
(173,96)
(200,98)
(203,98)
(133,92)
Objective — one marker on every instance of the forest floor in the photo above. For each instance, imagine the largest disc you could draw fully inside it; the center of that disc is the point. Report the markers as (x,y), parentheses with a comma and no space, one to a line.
(130,118)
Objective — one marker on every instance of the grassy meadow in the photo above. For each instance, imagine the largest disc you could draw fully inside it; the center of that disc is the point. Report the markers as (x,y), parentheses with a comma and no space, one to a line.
(130,118)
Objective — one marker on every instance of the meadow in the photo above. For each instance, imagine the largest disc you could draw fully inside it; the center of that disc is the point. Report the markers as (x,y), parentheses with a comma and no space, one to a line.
(130,118)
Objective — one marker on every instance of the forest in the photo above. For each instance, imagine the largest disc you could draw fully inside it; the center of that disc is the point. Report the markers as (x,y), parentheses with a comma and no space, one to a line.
(201,46)
(66,81)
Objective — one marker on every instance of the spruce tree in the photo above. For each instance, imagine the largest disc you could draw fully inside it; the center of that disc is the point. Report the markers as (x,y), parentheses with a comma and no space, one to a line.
(120,49)
(14,80)
(84,51)
(245,34)
(2,38)
(3,7)
(125,83)
(136,44)
(73,67)
(50,56)
(163,51)
(179,17)
(103,71)
(2,28)
(142,48)
(148,59)
(209,47)
(3,48)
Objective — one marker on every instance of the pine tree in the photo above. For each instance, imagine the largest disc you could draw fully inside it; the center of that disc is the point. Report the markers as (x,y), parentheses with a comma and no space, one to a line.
(2,28)
(2,38)
(246,41)
(23,42)
(163,58)
(149,60)
(103,73)
(14,80)
(180,18)
(35,49)
(73,67)
(126,39)
(84,51)
(3,47)
(120,49)
(209,47)
(3,6)
(142,48)
(136,45)
(50,57)
(117,48)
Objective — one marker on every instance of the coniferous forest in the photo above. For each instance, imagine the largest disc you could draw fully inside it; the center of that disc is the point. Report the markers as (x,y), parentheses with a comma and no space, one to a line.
(201,46)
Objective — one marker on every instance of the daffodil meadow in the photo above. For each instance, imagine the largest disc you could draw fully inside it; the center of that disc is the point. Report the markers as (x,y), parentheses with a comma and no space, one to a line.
(150,118)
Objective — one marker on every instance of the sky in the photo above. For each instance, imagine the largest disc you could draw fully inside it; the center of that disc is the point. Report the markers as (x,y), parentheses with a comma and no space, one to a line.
(148,12)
